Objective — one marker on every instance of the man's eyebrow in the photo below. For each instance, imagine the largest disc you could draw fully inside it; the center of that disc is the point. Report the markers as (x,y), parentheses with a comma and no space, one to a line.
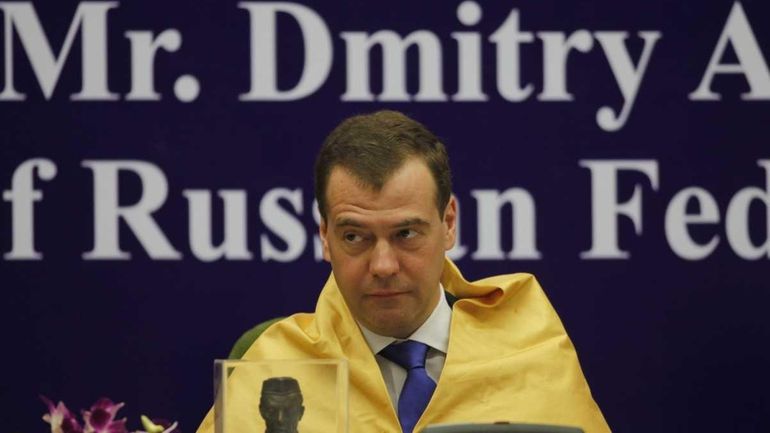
(347,222)
(409,222)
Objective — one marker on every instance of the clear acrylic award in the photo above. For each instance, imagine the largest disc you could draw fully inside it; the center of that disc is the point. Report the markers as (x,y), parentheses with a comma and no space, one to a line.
(308,396)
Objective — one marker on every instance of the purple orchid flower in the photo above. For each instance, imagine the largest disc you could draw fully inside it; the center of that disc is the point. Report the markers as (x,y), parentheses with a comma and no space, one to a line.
(101,418)
(60,418)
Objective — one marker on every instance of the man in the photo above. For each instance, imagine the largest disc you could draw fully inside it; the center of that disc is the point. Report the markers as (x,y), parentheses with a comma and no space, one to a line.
(424,346)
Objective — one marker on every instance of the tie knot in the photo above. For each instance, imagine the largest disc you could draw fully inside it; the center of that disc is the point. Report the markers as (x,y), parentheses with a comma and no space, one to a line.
(408,354)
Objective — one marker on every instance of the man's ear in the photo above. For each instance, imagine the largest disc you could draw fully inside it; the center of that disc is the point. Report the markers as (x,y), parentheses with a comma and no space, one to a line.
(323,229)
(450,223)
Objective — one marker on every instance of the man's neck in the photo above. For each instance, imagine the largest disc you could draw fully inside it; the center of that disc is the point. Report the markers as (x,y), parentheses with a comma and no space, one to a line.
(434,331)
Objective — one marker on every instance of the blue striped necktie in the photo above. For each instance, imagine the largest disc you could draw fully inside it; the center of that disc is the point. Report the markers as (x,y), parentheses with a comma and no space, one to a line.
(418,387)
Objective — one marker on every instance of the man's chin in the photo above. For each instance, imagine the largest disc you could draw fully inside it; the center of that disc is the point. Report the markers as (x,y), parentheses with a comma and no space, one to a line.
(390,326)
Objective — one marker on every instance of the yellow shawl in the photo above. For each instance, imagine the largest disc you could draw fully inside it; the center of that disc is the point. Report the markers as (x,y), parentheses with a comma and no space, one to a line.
(509,359)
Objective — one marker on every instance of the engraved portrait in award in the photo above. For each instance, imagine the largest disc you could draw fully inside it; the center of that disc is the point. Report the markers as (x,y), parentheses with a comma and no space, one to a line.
(280,404)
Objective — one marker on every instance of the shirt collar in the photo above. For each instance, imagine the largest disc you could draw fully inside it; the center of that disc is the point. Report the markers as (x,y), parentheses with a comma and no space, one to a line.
(434,332)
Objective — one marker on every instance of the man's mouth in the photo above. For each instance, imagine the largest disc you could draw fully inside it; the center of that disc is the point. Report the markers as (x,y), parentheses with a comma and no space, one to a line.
(386,293)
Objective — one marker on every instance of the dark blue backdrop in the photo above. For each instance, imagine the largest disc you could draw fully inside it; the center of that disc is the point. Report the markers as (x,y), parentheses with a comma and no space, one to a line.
(667,344)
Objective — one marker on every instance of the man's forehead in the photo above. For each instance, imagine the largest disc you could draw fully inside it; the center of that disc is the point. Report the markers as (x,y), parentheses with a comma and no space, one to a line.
(343,175)
(411,183)
(342,181)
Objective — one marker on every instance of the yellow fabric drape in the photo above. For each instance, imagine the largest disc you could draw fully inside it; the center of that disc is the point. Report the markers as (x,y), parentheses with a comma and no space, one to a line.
(509,359)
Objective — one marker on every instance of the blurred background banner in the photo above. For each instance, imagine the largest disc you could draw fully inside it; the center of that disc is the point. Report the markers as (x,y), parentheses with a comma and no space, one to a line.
(156,173)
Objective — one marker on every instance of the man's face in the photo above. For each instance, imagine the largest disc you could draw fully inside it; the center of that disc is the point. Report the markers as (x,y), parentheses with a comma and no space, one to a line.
(281,412)
(387,247)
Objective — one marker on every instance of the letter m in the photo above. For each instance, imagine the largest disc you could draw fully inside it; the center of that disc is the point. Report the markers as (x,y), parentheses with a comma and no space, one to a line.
(90,18)
(394,49)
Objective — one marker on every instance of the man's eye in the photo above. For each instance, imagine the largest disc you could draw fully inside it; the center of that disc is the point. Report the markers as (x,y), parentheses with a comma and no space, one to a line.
(407,233)
(353,237)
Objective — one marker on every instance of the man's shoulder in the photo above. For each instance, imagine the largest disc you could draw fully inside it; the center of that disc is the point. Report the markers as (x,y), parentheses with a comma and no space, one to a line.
(514,280)
(307,335)
(295,323)
(495,286)
(507,301)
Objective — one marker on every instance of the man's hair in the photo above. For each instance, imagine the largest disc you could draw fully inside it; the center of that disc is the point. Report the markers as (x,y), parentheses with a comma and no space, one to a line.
(372,147)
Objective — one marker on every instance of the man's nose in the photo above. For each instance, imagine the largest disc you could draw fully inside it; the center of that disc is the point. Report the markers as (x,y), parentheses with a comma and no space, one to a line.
(384,261)
(281,415)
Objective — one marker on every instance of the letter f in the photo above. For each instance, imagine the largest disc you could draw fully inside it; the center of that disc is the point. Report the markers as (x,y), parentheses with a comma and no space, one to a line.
(22,196)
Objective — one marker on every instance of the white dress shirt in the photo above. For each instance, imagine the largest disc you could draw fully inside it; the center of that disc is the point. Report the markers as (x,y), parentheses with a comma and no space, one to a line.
(434,332)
